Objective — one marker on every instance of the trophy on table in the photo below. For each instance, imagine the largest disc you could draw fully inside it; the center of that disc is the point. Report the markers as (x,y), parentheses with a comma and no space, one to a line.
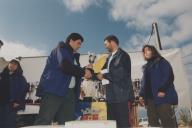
(29,99)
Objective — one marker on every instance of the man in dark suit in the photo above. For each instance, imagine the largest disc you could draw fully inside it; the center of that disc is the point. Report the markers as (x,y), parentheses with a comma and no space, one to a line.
(116,74)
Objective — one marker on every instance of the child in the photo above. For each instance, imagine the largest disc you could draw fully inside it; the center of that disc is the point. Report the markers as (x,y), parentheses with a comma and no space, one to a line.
(88,90)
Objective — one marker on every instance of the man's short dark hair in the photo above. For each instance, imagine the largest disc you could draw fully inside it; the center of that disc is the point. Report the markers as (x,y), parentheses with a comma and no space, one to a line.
(74,37)
(112,38)
(1,42)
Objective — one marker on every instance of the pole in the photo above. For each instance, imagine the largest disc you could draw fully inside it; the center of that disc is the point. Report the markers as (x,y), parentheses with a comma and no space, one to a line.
(158,41)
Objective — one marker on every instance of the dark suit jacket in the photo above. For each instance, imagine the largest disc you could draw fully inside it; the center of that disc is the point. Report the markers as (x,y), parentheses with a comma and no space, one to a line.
(120,88)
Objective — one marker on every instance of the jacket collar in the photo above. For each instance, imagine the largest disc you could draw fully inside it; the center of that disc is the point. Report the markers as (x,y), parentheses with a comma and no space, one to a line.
(77,56)
(152,62)
(62,44)
(116,53)
(69,48)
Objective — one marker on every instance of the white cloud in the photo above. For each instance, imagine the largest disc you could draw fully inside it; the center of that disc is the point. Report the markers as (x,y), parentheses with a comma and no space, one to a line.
(187,50)
(173,16)
(12,50)
(79,5)
(135,42)
(181,32)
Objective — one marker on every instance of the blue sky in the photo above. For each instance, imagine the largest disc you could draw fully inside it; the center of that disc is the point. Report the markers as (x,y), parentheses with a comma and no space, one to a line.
(33,27)
(40,24)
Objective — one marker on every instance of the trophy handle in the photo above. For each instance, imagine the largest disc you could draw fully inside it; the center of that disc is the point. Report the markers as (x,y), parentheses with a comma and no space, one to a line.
(92,57)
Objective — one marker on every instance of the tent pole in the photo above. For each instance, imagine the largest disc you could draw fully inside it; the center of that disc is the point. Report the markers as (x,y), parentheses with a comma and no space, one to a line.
(154,25)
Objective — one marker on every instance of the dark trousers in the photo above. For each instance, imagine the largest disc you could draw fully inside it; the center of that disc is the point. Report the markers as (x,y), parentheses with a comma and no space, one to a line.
(118,112)
(7,117)
(56,108)
(163,112)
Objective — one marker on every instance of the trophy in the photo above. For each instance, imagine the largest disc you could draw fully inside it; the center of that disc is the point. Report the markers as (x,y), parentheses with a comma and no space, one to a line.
(29,99)
(92,57)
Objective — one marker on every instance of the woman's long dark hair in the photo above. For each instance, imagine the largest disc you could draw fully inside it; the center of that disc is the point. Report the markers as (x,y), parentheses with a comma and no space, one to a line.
(155,53)
(19,70)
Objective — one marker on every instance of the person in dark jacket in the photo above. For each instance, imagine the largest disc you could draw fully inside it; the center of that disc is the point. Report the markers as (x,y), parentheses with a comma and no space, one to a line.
(13,90)
(60,82)
(116,74)
(1,44)
(157,90)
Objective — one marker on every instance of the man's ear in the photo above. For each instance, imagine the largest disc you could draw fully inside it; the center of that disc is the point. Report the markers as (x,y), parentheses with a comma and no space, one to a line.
(70,41)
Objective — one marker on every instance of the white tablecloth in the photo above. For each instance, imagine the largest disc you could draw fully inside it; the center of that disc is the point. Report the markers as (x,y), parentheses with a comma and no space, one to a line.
(29,109)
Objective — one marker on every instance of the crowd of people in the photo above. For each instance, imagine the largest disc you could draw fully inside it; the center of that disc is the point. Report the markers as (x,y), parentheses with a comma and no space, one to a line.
(60,88)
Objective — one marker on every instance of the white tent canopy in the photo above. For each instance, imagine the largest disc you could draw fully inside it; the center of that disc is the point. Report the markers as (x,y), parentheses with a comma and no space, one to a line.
(3,63)
(33,68)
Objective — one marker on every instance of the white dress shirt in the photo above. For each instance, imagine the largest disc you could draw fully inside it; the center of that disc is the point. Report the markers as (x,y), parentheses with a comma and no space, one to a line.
(104,71)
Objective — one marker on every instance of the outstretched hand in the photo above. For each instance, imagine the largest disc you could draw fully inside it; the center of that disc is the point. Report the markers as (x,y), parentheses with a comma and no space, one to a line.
(99,76)
(161,94)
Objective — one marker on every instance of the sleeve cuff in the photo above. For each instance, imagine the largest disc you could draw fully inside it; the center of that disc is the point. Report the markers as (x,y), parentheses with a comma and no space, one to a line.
(105,81)
(104,71)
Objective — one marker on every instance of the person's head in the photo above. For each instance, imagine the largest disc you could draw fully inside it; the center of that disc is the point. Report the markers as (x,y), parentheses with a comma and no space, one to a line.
(74,40)
(91,73)
(111,43)
(1,43)
(14,66)
(150,52)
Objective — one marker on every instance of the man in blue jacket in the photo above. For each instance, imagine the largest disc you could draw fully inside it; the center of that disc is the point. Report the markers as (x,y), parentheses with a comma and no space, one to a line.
(60,82)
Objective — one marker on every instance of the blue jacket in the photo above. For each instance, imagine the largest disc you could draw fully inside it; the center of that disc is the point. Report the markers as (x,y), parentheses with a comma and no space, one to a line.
(161,80)
(13,88)
(58,71)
